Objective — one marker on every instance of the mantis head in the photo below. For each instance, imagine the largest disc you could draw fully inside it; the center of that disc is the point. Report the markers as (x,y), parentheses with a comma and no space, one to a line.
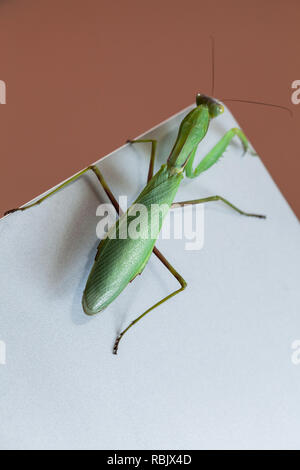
(214,107)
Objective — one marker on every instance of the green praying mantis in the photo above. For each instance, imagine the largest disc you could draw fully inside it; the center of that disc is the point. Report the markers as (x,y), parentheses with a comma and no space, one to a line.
(120,259)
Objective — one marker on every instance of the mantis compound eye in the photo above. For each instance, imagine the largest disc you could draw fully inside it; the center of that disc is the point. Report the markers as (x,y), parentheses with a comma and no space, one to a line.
(214,107)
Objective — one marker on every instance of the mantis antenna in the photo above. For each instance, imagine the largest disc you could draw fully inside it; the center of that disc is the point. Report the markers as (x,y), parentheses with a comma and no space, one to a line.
(262,103)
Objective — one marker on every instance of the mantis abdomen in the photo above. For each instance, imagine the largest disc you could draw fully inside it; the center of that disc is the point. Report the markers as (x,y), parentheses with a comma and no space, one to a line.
(121,256)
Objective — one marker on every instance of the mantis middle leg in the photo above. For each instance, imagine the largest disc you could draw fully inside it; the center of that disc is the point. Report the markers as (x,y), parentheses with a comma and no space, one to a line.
(216,198)
(153,154)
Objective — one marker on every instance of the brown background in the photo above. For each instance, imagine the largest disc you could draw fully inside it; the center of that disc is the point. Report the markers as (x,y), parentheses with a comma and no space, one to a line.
(84,75)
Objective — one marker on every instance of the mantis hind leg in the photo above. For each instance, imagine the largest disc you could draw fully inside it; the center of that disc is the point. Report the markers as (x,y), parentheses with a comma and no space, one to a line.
(182,283)
(216,198)
(99,176)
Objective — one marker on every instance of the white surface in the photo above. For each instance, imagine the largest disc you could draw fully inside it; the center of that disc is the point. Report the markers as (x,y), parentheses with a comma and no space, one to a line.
(209,369)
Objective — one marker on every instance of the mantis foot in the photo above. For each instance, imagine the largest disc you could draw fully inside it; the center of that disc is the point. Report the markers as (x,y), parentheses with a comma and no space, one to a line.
(259,216)
(12,211)
(116,345)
